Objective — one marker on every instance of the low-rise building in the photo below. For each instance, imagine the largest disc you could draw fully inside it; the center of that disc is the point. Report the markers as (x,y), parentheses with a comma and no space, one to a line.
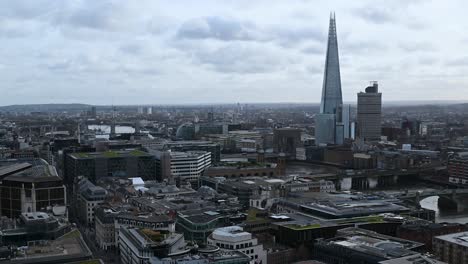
(89,197)
(32,188)
(355,245)
(139,245)
(109,222)
(452,248)
(425,231)
(212,257)
(413,259)
(458,168)
(234,238)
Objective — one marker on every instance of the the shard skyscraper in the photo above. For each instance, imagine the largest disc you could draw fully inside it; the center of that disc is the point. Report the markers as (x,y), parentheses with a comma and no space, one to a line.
(329,127)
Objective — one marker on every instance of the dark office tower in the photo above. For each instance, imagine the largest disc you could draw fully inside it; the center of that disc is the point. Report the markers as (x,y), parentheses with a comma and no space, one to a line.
(329,127)
(369,113)
(93,112)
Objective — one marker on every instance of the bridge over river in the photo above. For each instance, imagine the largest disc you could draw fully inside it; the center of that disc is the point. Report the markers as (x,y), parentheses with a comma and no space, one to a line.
(448,198)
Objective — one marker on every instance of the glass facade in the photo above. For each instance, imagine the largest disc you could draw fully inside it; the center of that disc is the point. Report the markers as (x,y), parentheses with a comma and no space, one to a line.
(332,102)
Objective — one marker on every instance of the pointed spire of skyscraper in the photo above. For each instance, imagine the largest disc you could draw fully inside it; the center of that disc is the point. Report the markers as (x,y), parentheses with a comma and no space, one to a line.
(329,126)
(331,90)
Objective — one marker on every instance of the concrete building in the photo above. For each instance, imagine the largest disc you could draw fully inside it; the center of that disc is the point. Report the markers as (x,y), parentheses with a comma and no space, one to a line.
(181,167)
(425,231)
(32,226)
(356,245)
(139,245)
(287,140)
(115,163)
(109,222)
(31,188)
(89,197)
(235,239)
(458,168)
(413,259)
(205,256)
(452,248)
(369,113)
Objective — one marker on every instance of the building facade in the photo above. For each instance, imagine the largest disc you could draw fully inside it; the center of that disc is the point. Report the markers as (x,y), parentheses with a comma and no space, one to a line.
(181,167)
(32,189)
(89,197)
(115,163)
(452,248)
(332,101)
(236,239)
(369,113)
(458,168)
(139,245)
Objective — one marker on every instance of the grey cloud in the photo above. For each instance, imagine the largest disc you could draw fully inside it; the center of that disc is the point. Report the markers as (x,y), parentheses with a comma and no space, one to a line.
(427,60)
(463,61)
(225,29)
(215,28)
(295,35)
(13,28)
(314,69)
(99,15)
(242,59)
(24,9)
(416,46)
(132,49)
(313,50)
(361,47)
(374,15)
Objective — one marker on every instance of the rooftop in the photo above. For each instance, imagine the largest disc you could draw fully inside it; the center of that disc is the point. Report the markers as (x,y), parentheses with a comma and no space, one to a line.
(231,233)
(110,154)
(349,208)
(373,243)
(67,248)
(456,238)
(413,259)
(37,171)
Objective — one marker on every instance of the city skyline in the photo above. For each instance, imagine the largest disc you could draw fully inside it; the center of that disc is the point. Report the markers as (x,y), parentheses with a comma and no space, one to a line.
(155,53)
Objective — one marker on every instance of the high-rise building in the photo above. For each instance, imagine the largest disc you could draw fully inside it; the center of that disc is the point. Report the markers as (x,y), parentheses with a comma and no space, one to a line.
(331,105)
(369,113)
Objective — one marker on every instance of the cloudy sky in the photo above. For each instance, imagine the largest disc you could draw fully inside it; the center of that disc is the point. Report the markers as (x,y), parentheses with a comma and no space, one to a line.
(184,51)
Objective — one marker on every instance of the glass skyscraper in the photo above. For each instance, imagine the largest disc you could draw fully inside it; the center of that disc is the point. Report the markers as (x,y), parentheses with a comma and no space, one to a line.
(332,101)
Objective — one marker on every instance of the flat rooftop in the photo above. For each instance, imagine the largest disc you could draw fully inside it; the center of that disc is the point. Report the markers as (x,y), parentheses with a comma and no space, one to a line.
(110,154)
(413,259)
(28,170)
(372,243)
(456,238)
(68,248)
(342,209)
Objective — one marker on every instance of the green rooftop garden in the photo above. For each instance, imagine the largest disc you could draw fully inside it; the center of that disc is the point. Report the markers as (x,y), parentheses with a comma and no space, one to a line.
(111,154)
(72,234)
(303,227)
(81,155)
(91,261)
(240,164)
(138,153)
(154,235)
(363,219)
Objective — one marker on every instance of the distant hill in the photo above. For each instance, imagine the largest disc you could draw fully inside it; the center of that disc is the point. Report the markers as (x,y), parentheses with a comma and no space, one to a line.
(45,108)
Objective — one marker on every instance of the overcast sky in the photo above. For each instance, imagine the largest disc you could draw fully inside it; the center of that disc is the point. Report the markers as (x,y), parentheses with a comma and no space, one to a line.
(165,52)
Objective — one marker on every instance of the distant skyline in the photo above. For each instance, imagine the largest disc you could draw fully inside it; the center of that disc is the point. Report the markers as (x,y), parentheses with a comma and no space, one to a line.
(201,52)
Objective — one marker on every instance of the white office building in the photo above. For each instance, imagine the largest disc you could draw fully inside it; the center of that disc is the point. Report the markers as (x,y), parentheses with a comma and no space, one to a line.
(189,166)
(234,238)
